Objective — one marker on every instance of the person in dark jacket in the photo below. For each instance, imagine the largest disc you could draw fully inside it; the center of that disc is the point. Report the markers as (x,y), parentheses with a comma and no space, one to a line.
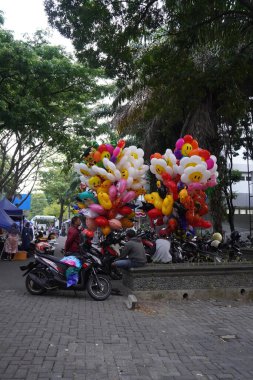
(27,237)
(133,254)
(72,245)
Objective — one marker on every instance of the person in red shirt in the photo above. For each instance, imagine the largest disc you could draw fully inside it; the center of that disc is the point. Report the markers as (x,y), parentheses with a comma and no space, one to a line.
(72,245)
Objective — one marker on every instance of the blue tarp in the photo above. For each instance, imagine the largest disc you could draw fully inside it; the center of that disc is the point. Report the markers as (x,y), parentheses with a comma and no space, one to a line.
(9,208)
(5,220)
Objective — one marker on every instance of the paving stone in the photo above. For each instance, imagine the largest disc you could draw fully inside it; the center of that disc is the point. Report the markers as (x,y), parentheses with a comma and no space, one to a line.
(68,337)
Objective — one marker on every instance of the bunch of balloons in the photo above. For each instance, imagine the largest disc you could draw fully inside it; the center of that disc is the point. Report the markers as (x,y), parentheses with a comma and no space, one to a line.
(113,176)
(183,176)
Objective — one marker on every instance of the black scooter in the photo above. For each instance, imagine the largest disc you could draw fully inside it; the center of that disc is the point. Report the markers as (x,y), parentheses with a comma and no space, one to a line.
(47,273)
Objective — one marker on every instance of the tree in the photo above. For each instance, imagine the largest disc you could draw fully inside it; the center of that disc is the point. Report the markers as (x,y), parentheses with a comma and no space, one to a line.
(192,59)
(55,209)
(38,204)
(58,186)
(45,99)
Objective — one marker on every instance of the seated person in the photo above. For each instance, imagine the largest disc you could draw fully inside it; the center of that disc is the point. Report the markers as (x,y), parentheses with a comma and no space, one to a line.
(133,254)
(162,252)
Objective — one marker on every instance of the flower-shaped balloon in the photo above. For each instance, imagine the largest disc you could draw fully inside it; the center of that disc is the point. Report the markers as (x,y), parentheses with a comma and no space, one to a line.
(159,166)
(212,164)
(111,169)
(186,162)
(134,153)
(196,173)
(184,146)
(171,160)
(84,170)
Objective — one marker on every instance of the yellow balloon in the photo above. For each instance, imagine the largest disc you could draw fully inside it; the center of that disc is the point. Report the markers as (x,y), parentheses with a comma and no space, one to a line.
(183,194)
(155,199)
(167,206)
(104,188)
(94,182)
(81,205)
(104,200)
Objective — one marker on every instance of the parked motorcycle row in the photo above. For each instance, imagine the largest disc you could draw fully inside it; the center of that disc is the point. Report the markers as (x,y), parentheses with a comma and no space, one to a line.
(47,272)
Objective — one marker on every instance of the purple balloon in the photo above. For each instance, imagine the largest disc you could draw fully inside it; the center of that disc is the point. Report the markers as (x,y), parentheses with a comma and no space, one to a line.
(178,154)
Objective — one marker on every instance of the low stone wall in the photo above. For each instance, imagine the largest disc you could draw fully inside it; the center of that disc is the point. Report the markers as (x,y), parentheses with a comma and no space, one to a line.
(191,280)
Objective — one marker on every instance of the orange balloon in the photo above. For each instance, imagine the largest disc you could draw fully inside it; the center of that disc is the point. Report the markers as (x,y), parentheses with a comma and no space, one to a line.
(194,152)
(106,230)
(97,156)
(194,144)
(126,223)
(156,155)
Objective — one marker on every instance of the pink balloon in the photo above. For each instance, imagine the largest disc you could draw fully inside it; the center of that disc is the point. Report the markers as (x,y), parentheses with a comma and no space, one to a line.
(115,224)
(116,152)
(110,148)
(210,163)
(195,186)
(97,208)
(129,196)
(112,192)
(91,224)
(179,143)
(121,185)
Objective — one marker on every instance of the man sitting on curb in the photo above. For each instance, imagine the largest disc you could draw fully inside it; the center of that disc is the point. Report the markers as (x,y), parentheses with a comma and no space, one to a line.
(133,253)
(162,252)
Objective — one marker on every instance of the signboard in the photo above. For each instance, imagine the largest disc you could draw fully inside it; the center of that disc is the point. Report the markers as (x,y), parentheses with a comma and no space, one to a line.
(26,205)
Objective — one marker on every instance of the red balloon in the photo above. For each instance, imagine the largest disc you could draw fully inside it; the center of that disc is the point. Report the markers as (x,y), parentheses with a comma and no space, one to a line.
(159,222)
(102,148)
(101,221)
(188,139)
(121,144)
(172,225)
(154,213)
(112,213)
(125,210)
(88,233)
(204,154)
(194,144)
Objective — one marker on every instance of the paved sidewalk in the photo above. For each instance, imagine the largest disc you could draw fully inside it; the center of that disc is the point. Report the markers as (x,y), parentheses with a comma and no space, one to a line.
(66,336)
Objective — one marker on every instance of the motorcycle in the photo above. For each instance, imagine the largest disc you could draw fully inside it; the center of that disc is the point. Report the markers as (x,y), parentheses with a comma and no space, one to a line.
(42,245)
(107,251)
(148,239)
(48,273)
(201,250)
(233,247)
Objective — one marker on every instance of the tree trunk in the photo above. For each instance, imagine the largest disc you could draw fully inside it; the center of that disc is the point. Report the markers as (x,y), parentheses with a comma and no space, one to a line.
(61,212)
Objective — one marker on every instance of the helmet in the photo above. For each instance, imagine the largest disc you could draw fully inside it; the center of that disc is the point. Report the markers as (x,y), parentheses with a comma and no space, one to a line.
(163,232)
(215,243)
(235,235)
(217,236)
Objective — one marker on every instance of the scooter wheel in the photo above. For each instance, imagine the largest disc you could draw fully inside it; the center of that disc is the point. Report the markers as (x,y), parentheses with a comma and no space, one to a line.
(99,287)
(32,287)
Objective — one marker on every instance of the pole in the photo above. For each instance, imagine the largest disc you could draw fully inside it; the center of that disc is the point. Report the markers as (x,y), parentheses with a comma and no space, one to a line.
(249,182)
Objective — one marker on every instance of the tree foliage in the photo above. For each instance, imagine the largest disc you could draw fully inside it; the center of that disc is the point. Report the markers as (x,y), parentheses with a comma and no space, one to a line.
(192,60)
(38,204)
(58,185)
(45,101)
